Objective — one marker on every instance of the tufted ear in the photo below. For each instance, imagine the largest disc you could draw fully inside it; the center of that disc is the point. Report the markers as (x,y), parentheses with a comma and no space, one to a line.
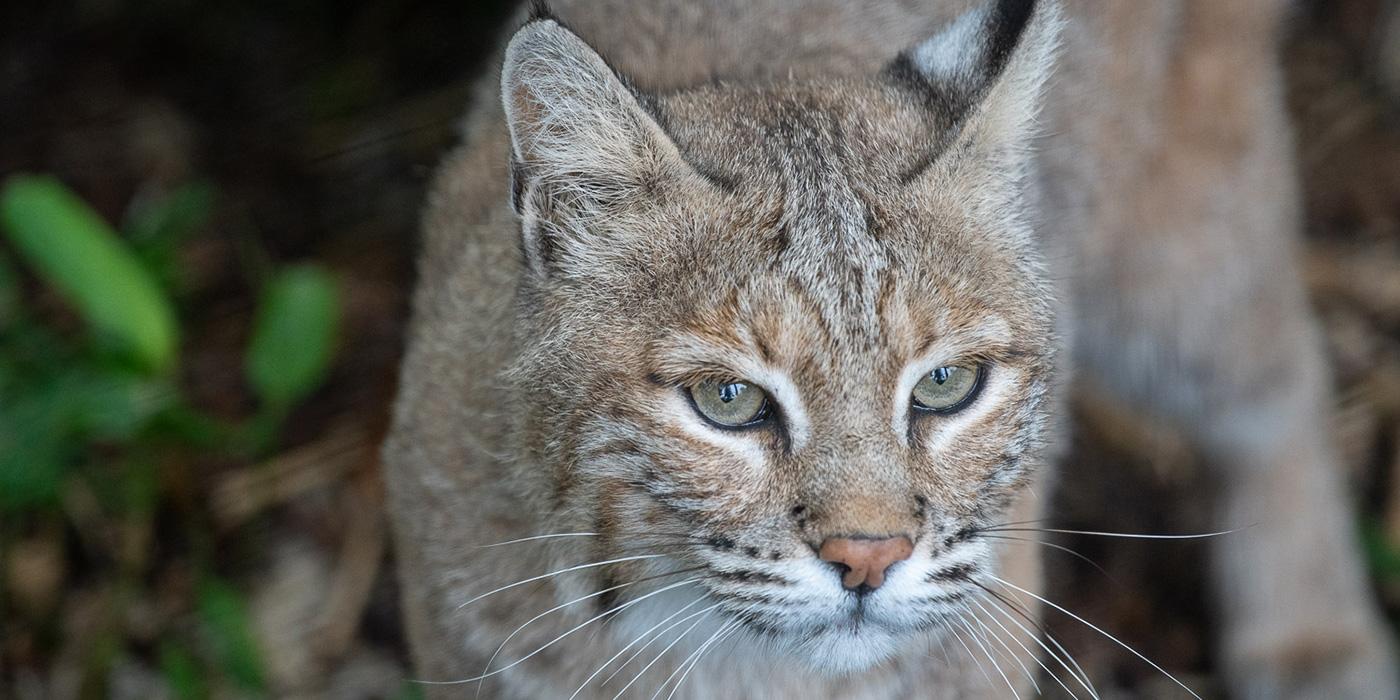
(582,143)
(983,76)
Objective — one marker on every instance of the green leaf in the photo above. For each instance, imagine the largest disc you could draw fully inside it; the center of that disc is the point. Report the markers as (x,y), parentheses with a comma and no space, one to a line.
(229,633)
(169,220)
(31,475)
(1383,555)
(139,479)
(9,292)
(410,691)
(77,253)
(116,405)
(189,426)
(182,672)
(156,226)
(36,452)
(294,335)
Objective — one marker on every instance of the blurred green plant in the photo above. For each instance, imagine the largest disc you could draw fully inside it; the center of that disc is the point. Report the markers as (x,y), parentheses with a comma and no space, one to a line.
(90,398)
(182,672)
(77,253)
(1381,552)
(293,336)
(228,634)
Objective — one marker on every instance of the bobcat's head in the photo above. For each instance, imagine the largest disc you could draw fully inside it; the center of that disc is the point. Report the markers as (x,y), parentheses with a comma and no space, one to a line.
(789,342)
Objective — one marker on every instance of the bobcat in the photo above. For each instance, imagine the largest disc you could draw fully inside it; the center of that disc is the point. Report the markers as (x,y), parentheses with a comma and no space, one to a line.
(741,331)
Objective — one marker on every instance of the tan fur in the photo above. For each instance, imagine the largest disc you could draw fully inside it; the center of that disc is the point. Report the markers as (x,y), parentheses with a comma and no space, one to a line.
(765,220)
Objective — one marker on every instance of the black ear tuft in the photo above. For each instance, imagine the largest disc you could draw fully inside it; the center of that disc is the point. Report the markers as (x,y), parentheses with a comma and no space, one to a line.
(982,76)
(959,64)
(540,10)
(518,180)
(1005,25)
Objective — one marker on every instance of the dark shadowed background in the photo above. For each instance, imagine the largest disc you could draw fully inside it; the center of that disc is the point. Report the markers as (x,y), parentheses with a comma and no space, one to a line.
(189,487)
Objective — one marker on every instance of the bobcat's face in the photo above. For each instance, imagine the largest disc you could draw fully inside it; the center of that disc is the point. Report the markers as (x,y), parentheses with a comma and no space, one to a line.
(790,345)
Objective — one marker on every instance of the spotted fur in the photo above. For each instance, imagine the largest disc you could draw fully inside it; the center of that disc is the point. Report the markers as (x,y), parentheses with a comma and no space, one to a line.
(823,215)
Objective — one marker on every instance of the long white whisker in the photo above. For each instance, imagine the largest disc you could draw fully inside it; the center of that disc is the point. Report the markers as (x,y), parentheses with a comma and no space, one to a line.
(657,637)
(694,657)
(732,629)
(1082,674)
(943,642)
(639,638)
(652,641)
(972,656)
(551,574)
(547,612)
(662,653)
(1122,535)
(977,638)
(1034,656)
(1091,626)
(1077,673)
(1084,682)
(1052,545)
(1011,653)
(576,628)
(538,537)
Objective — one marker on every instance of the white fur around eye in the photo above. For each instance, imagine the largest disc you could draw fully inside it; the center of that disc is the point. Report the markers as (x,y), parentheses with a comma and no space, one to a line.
(997,381)
(692,351)
(743,444)
(783,392)
(954,349)
(749,445)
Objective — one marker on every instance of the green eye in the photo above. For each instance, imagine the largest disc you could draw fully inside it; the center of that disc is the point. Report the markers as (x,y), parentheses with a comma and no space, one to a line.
(730,404)
(947,389)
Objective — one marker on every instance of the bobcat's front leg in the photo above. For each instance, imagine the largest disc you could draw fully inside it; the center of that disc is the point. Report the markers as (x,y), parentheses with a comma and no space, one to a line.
(1190,304)
(1218,338)
(1297,617)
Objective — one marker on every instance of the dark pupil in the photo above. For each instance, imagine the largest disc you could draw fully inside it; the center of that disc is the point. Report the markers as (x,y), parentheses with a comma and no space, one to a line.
(729,392)
(942,374)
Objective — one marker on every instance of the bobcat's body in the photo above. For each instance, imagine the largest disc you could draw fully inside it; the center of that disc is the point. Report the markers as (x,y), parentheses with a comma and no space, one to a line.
(1162,198)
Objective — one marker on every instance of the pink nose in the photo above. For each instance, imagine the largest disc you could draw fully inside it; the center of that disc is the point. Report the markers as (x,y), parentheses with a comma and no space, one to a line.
(865,559)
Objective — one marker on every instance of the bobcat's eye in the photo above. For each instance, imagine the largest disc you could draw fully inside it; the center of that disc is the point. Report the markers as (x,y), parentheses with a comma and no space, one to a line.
(948,389)
(730,404)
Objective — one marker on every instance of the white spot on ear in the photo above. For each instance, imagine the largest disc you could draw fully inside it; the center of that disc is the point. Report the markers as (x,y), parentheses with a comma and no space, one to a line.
(1001,94)
(956,52)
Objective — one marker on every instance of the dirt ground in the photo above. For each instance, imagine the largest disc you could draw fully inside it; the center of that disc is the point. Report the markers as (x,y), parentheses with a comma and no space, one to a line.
(318,126)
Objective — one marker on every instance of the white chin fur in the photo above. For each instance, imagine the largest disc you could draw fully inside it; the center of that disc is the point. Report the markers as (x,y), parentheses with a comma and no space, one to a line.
(840,652)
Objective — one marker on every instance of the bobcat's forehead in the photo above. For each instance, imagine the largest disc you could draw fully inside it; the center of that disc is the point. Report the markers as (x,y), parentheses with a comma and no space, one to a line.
(870,134)
(816,215)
